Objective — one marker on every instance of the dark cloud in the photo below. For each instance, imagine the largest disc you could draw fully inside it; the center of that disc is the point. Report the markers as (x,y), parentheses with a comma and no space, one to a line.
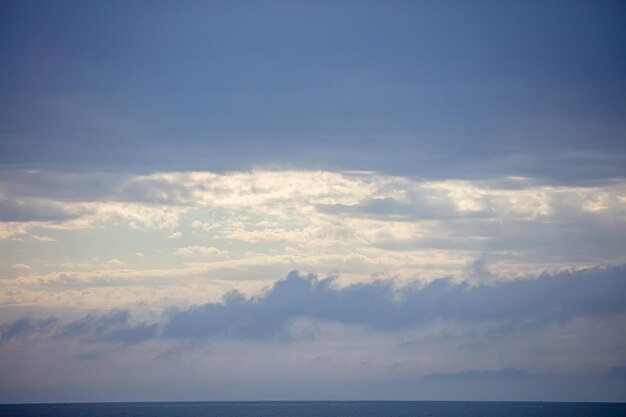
(420,206)
(135,334)
(410,89)
(378,305)
(116,326)
(359,333)
(25,326)
(92,327)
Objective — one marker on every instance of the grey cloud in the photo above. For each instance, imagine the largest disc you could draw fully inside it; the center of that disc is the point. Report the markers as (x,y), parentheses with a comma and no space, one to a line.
(25,326)
(60,185)
(23,211)
(234,341)
(150,190)
(378,305)
(40,191)
(135,334)
(90,356)
(617,372)
(480,374)
(388,208)
(115,326)
(508,305)
(585,238)
(511,109)
(93,327)
(420,206)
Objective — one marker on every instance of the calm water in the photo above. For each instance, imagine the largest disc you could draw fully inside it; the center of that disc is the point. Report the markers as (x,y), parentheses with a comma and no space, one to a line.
(318,409)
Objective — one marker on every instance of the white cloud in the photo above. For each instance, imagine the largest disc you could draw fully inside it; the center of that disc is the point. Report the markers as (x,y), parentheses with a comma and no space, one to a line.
(43,238)
(21,266)
(264,223)
(115,263)
(201,251)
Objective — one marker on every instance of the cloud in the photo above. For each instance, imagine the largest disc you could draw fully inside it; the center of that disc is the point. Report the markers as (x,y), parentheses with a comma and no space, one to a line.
(115,263)
(43,238)
(201,251)
(35,209)
(358,223)
(135,334)
(24,327)
(618,372)
(21,266)
(378,305)
(94,328)
(475,374)
(115,326)
(303,329)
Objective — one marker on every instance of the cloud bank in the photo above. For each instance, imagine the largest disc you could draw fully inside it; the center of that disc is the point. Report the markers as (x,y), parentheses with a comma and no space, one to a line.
(558,331)
(211,229)
(380,306)
(377,305)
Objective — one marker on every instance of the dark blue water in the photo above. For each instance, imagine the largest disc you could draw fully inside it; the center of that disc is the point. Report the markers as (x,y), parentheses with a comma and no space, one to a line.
(318,409)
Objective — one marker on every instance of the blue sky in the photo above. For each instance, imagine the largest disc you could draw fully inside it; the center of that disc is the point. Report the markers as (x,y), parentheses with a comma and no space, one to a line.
(453,172)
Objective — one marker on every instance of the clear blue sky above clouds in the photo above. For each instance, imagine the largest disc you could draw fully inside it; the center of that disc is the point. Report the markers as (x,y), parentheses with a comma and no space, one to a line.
(448,177)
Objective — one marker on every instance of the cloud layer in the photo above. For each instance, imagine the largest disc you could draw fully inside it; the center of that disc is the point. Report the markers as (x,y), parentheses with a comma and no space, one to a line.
(162,169)
(561,332)
(210,229)
(377,305)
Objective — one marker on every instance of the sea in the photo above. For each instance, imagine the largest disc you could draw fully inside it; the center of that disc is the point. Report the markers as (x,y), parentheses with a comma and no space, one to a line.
(318,409)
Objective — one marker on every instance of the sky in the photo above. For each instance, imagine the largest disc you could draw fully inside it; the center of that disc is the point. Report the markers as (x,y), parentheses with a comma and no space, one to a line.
(280,200)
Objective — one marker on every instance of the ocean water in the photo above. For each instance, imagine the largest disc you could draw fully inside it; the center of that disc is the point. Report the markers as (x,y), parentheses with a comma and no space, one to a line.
(318,409)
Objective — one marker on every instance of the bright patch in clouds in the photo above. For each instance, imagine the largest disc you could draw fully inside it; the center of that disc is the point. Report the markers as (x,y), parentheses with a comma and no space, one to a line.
(220,231)
(201,251)
(43,238)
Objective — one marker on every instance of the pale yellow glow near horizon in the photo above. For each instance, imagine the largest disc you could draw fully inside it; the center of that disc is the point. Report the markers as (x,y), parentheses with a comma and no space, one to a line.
(187,237)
